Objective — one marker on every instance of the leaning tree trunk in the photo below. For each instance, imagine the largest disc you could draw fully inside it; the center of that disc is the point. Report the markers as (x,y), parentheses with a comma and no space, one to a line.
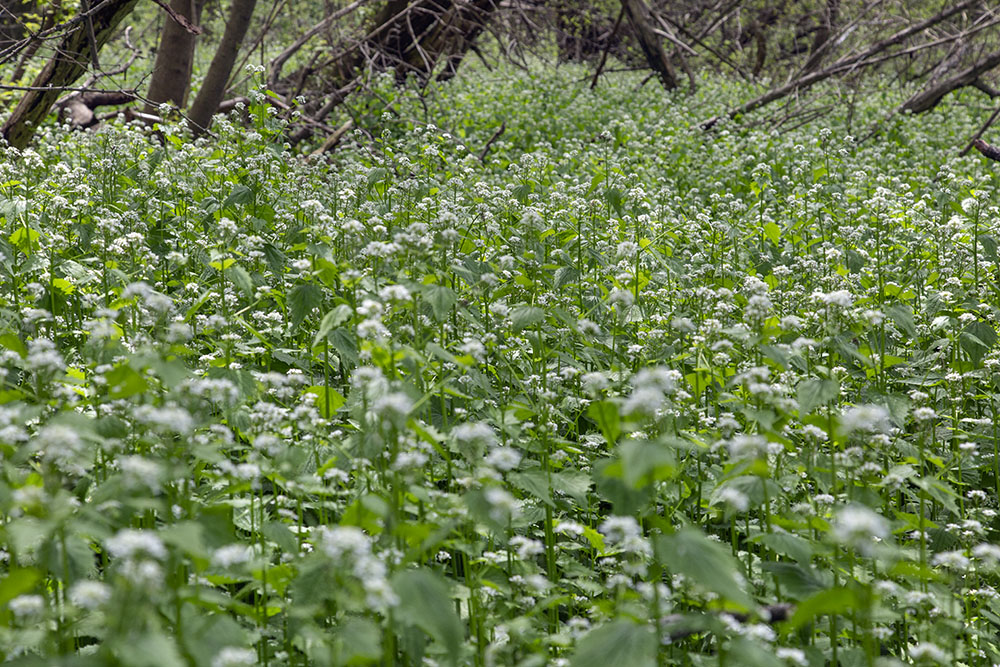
(171,78)
(73,55)
(407,36)
(652,48)
(930,98)
(213,89)
(472,19)
(824,33)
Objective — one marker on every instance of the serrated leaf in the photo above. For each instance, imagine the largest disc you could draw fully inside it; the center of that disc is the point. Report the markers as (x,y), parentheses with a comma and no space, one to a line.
(605,415)
(773,233)
(620,642)
(63,285)
(240,195)
(331,321)
(424,601)
(302,300)
(328,400)
(646,462)
(523,317)
(241,279)
(705,562)
(534,482)
(442,298)
(795,580)
(787,544)
(831,601)
(24,239)
(814,392)
(902,315)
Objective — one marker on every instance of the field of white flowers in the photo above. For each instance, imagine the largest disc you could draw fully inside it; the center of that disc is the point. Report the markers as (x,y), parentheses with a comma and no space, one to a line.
(618,392)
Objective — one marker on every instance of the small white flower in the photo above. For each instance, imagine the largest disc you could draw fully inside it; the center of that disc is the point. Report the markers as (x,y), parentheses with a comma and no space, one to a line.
(128,543)
(26,606)
(89,594)
(234,656)
(858,527)
(503,458)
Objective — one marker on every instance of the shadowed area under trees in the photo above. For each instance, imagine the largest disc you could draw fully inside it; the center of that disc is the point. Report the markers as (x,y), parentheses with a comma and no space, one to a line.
(786,48)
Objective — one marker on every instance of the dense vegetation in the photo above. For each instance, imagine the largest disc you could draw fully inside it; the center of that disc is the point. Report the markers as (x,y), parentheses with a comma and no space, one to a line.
(610,395)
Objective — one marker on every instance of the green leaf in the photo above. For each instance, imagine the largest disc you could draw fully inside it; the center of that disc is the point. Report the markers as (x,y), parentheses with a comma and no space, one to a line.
(645,462)
(815,392)
(620,642)
(977,339)
(902,315)
(424,601)
(331,321)
(124,381)
(605,414)
(153,649)
(442,298)
(241,194)
(795,580)
(241,279)
(14,344)
(344,342)
(831,601)
(24,239)
(524,317)
(751,654)
(302,300)
(534,482)
(358,641)
(566,275)
(18,582)
(787,544)
(773,232)
(706,562)
(328,399)
(63,285)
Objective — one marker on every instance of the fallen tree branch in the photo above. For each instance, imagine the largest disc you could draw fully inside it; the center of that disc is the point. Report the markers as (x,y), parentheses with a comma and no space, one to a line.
(179,19)
(992,152)
(845,64)
(334,139)
(930,98)
(279,62)
(79,109)
(496,135)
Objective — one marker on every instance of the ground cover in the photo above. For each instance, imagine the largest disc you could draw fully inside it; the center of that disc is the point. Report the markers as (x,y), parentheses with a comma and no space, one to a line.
(606,389)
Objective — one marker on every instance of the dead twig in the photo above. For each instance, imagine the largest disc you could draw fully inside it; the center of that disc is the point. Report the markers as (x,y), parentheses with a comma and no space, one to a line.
(496,135)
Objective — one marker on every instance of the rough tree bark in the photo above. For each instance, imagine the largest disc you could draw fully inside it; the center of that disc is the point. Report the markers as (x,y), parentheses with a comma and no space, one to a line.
(930,98)
(407,36)
(213,89)
(472,18)
(72,57)
(171,78)
(821,42)
(652,48)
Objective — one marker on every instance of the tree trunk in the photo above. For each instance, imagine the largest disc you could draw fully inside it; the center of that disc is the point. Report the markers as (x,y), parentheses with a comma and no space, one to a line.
(930,98)
(72,58)
(213,89)
(652,48)
(821,43)
(171,78)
